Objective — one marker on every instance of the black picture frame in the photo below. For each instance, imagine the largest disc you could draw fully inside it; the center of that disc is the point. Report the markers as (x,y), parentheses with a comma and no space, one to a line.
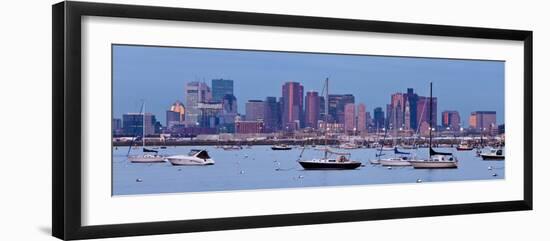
(66,159)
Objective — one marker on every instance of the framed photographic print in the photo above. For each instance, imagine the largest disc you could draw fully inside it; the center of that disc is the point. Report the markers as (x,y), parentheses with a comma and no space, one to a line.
(170,120)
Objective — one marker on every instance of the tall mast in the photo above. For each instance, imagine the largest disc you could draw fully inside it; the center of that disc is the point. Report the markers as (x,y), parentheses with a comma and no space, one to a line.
(431,105)
(326,117)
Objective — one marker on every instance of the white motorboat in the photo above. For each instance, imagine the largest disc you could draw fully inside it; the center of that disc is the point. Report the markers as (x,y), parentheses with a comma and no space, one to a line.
(493,155)
(194,158)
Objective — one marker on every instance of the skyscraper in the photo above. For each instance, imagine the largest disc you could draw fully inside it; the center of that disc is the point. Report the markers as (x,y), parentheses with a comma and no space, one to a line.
(228,113)
(397,110)
(362,118)
(312,109)
(255,110)
(220,88)
(196,92)
(336,105)
(378,118)
(411,98)
(483,120)
(451,120)
(349,117)
(175,115)
(272,114)
(293,99)
(423,111)
(133,124)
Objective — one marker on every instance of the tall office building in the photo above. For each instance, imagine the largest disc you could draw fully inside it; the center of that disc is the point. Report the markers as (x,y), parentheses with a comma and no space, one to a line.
(411,100)
(133,124)
(451,120)
(336,105)
(362,118)
(483,120)
(175,115)
(312,109)
(293,99)
(220,88)
(209,114)
(272,114)
(255,110)
(397,110)
(378,118)
(228,113)
(322,108)
(349,117)
(423,110)
(196,92)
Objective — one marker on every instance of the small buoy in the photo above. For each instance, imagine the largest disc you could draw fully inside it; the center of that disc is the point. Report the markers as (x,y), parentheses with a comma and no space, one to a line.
(245,156)
(277,169)
(300,177)
(241,172)
(490,168)
(494,174)
(139,180)
(418,180)
(389,168)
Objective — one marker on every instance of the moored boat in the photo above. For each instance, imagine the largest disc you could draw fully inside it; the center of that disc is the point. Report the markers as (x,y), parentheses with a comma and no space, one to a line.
(282,147)
(493,155)
(464,146)
(194,158)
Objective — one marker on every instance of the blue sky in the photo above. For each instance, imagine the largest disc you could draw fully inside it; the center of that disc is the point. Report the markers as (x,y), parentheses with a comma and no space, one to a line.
(158,75)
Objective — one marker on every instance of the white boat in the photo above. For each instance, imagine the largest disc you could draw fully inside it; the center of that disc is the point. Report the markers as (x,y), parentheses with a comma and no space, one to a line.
(395,161)
(436,159)
(194,158)
(493,155)
(282,147)
(232,148)
(149,155)
(348,145)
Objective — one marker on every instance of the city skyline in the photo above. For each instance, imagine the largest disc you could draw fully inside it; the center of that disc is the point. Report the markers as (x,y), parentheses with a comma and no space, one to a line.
(133,71)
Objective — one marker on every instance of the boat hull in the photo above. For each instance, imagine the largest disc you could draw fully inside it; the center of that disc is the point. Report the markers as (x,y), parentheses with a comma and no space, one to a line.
(146,159)
(492,158)
(433,164)
(464,148)
(189,162)
(394,163)
(329,166)
(281,148)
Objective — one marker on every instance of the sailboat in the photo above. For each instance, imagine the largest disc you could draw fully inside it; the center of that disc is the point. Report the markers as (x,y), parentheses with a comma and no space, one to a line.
(436,159)
(149,155)
(400,159)
(343,161)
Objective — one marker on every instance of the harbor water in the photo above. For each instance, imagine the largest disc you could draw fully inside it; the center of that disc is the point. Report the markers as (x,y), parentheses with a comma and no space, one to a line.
(259,167)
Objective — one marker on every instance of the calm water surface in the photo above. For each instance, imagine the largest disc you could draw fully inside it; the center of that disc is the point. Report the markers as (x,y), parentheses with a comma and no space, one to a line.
(260,167)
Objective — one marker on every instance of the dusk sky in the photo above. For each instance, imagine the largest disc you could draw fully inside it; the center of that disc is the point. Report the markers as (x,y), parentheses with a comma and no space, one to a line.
(158,75)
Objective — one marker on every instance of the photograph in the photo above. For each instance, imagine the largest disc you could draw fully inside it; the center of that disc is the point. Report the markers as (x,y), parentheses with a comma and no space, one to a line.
(188,119)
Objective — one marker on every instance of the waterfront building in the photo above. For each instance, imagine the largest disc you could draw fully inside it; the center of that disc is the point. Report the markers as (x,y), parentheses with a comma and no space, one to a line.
(220,88)
(255,110)
(483,120)
(249,127)
(272,115)
(133,124)
(362,118)
(116,124)
(379,118)
(293,99)
(349,117)
(322,108)
(196,92)
(312,109)
(451,120)
(332,127)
